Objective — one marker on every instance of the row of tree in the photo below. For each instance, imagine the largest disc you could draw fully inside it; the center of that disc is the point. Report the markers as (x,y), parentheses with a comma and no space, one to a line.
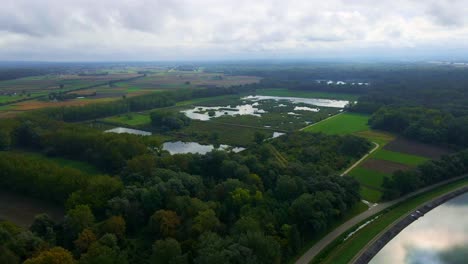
(403,182)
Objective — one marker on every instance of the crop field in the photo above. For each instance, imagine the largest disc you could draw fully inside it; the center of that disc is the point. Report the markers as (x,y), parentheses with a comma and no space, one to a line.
(181,79)
(307,94)
(345,123)
(398,157)
(384,166)
(416,148)
(381,163)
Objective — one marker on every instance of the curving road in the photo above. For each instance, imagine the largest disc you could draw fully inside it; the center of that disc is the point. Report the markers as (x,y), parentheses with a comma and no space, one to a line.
(330,237)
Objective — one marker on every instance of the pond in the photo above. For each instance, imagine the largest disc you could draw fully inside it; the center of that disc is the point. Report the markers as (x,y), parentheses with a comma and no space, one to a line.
(120,130)
(297,100)
(180,147)
(206,113)
(439,237)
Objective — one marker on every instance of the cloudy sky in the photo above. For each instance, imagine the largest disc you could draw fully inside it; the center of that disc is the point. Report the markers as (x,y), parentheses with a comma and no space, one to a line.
(64,30)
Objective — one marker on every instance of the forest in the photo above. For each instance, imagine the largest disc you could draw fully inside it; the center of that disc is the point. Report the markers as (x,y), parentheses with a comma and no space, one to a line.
(257,206)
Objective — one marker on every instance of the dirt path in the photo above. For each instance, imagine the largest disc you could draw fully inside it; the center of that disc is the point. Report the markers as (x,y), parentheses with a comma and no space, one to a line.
(330,237)
(322,120)
(361,160)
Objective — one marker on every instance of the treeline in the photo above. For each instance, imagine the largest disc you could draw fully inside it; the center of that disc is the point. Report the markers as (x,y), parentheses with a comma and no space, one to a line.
(137,103)
(107,151)
(423,124)
(403,182)
(167,120)
(46,180)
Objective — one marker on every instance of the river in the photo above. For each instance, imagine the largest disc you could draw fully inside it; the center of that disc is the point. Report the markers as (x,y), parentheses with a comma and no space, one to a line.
(439,237)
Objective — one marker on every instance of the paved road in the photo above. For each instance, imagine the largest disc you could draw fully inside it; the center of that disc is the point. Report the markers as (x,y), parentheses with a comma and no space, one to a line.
(330,237)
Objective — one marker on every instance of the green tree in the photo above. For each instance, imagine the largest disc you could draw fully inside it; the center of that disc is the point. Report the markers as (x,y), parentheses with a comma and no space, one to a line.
(56,255)
(165,222)
(167,251)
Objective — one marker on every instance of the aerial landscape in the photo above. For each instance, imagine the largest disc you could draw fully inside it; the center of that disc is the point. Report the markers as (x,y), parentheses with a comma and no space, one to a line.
(181,132)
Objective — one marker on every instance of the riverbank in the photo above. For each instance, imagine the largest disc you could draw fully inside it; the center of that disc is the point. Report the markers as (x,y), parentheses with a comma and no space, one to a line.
(368,252)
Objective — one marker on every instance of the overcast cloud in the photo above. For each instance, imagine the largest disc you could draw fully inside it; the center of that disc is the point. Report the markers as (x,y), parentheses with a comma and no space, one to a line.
(226,29)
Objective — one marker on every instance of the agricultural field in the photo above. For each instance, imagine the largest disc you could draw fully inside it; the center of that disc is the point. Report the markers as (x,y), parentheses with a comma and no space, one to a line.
(183,79)
(345,123)
(391,155)
(307,94)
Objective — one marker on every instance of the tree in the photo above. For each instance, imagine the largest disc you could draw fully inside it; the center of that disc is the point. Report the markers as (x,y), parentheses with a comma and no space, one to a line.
(206,221)
(165,222)
(265,248)
(259,137)
(78,219)
(56,255)
(167,251)
(114,225)
(104,251)
(85,239)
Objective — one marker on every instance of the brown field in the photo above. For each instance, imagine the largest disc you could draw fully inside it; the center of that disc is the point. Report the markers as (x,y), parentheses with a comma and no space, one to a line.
(52,82)
(179,79)
(384,166)
(21,209)
(416,148)
(36,104)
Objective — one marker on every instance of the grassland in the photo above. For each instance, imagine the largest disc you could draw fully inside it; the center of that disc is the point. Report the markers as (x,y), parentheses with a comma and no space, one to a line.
(367,177)
(345,123)
(399,157)
(307,94)
(130,119)
(340,252)
(370,195)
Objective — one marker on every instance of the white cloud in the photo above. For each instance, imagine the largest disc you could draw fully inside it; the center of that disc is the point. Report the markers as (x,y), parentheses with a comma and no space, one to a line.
(178,29)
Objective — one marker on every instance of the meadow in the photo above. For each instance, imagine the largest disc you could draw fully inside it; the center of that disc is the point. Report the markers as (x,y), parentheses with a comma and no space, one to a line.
(345,123)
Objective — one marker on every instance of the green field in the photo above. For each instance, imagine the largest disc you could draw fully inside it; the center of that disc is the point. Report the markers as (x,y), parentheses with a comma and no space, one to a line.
(307,94)
(368,177)
(399,157)
(370,195)
(345,123)
(131,119)
(343,252)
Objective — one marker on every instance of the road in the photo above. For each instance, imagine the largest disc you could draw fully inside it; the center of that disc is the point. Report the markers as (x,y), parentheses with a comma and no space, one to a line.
(361,160)
(330,237)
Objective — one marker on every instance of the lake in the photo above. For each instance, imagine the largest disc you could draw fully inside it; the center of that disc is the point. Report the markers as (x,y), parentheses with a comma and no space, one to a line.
(180,147)
(297,100)
(120,130)
(439,237)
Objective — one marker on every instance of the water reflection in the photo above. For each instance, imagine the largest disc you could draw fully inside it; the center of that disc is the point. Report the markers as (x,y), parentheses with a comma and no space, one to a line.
(180,147)
(206,113)
(440,237)
(120,130)
(296,100)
